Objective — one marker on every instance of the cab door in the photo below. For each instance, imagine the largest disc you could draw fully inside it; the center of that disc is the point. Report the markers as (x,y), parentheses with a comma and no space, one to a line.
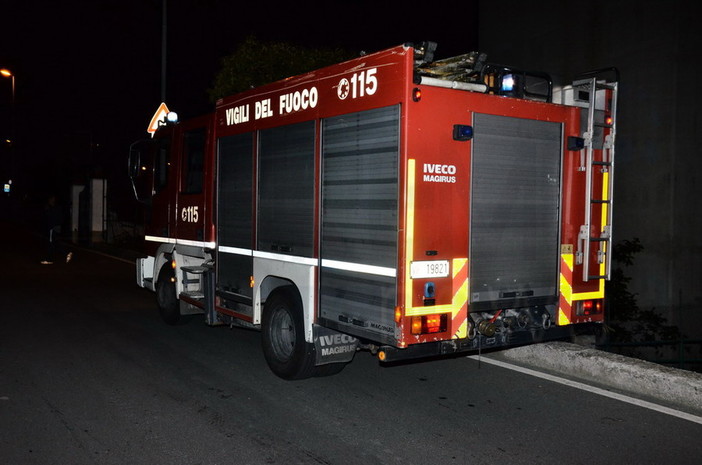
(155,185)
(192,203)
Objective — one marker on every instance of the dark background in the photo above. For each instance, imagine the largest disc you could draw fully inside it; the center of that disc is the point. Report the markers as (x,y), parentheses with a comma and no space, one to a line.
(88,73)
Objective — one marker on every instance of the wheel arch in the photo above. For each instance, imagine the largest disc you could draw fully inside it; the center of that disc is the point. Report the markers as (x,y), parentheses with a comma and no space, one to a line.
(301,282)
(163,255)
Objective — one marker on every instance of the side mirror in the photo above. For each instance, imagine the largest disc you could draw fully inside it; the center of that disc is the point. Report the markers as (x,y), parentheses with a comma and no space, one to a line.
(140,170)
(134,161)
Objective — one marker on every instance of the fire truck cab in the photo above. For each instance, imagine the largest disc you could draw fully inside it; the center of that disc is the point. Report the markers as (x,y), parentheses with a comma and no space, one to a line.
(396,203)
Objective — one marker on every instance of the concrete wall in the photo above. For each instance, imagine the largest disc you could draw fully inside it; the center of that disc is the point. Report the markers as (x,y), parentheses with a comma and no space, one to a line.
(89,215)
(658,191)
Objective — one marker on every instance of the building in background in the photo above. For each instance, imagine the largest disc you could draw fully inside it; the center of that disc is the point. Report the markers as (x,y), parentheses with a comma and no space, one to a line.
(659,163)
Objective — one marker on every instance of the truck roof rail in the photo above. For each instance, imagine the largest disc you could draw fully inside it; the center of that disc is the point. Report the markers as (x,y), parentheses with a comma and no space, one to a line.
(601,72)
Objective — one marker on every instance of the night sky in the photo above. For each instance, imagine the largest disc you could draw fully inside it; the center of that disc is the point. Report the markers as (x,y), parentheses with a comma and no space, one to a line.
(88,73)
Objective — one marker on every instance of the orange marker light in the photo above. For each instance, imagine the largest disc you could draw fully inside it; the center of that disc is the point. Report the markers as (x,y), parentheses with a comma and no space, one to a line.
(417,94)
(416,325)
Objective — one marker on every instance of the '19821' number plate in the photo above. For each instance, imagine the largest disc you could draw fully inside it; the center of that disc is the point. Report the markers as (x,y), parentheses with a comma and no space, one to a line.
(429,269)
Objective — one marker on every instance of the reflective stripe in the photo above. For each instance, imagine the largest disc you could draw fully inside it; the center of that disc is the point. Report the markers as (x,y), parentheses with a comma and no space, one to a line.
(566,276)
(460,297)
(210,245)
(567,296)
(286,258)
(429,310)
(173,240)
(268,255)
(459,271)
(409,233)
(605,196)
(360,268)
(458,308)
(599,293)
(562,318)
(165,240)
(235,250)
(565,301)
(334,264)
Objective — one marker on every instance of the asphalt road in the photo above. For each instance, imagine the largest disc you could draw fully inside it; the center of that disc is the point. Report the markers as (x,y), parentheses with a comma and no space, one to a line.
(89,375)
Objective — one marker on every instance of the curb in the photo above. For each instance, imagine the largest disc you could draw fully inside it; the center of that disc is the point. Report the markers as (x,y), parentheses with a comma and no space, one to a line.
(669,385)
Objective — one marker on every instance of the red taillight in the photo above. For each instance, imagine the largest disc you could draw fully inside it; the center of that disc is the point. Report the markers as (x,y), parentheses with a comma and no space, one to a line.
(433,323)
(428,324)
(589,307)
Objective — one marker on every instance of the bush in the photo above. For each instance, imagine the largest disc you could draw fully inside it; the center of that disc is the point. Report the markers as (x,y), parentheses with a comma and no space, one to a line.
(627,323)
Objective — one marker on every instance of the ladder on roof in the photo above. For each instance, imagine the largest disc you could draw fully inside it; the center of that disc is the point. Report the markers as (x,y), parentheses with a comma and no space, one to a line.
(598,161)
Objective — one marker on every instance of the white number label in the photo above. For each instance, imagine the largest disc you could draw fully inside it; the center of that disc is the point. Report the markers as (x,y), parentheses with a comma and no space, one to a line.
(190,214)
(361,84)
(429,269)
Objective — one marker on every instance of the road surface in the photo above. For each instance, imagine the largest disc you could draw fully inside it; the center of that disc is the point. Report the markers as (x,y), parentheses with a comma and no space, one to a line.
(90,375)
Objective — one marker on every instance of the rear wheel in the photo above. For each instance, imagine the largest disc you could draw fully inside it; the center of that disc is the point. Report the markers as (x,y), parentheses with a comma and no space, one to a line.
(330,369)
(168,305)
(288,355)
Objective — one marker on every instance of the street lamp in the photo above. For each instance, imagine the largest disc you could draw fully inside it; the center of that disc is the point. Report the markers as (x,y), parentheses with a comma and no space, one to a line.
(8,74)
(10,141)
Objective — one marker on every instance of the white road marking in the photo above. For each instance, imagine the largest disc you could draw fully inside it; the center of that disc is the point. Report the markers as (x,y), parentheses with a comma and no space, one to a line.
(591,389)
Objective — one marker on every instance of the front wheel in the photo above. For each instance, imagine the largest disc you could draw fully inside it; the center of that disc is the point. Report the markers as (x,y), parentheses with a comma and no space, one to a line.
(168,305)
(288,355)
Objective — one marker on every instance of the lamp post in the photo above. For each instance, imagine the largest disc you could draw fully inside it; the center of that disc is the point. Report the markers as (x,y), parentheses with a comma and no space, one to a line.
(11,141)
(9,74)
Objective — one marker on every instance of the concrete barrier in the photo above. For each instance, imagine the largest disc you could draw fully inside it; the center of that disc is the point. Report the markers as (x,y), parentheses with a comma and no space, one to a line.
(640,378)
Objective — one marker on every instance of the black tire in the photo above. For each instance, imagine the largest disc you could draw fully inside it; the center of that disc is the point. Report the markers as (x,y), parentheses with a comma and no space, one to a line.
(288,355)
(168,305)
(329,369)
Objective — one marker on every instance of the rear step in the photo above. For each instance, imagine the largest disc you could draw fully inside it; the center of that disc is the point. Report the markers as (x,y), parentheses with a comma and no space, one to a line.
(194,295)
(195,298)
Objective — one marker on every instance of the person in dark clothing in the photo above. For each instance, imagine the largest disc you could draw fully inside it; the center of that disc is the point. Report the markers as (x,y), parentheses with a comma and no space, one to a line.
(53,217)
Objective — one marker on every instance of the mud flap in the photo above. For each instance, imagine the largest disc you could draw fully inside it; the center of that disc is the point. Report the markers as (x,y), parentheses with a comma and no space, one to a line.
(145,273)
(332,346)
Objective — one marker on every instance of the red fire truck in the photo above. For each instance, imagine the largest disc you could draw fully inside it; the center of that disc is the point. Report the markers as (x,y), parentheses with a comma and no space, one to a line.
(395,203)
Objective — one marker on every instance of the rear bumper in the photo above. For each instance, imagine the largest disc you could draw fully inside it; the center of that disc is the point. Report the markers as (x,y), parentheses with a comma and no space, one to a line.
(479,342)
